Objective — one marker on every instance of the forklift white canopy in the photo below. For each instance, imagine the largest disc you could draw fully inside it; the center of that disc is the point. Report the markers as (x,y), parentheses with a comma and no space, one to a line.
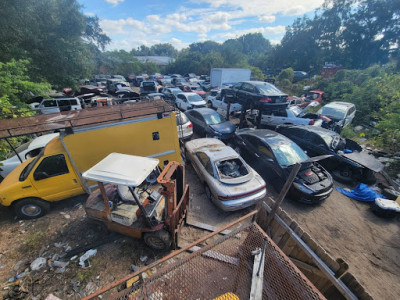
(122,169)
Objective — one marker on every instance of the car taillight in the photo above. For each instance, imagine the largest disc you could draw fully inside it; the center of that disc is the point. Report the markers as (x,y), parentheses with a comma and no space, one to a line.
(266,100)
(224,198)
(311,122)
(190,125)
(287,99)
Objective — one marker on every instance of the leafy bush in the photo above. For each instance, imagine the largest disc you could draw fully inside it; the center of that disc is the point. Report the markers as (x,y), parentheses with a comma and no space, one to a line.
(286,74)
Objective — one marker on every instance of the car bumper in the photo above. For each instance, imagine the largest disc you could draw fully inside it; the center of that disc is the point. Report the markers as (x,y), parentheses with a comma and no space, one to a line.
(237,204)
(310,199)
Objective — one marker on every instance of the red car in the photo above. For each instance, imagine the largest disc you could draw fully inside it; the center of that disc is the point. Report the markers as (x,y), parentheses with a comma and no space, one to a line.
(312,96)
(193,89)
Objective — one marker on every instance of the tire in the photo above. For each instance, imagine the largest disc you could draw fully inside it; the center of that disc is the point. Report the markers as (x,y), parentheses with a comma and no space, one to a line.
(368,177)
(209,104)
(343,175)
(383,213)
(158,240)
(31,208)
(208,193)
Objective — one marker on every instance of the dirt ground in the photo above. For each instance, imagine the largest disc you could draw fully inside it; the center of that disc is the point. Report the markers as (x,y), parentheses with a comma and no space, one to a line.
(346,228)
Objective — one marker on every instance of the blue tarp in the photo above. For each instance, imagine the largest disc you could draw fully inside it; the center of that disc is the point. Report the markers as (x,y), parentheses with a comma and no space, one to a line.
(361,192)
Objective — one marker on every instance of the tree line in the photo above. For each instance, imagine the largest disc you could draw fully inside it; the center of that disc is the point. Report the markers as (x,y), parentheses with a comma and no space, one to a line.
(51,44)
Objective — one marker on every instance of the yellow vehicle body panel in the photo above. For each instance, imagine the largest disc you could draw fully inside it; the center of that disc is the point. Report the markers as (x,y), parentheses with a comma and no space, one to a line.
(148,136)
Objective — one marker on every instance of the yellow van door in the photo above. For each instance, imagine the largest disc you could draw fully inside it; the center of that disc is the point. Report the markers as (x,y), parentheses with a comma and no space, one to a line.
(55,179)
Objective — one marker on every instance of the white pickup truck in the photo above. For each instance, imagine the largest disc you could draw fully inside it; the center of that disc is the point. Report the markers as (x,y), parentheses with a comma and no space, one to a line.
(219,103)
(283,115)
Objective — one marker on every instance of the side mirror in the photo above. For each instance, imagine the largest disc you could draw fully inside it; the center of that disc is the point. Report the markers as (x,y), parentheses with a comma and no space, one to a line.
(41,175)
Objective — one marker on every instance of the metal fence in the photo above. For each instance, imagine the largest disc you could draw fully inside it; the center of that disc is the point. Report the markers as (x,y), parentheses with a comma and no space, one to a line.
(222,269)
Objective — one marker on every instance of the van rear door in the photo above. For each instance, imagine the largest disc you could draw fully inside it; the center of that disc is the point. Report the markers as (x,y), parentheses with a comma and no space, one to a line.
(55,179)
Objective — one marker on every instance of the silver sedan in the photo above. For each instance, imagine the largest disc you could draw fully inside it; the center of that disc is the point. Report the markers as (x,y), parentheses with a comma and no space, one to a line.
(229,182)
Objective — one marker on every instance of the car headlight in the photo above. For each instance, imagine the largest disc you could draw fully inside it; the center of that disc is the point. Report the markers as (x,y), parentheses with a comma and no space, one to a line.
(303,188)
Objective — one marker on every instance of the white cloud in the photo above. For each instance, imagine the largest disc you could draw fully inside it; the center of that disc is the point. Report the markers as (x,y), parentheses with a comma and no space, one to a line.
(178,44)
(267,19)
(153,18)
(115,2)
(89,14)
(263,30)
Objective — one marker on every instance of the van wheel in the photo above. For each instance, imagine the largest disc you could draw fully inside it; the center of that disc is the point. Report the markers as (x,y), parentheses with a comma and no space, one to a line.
(158,240)
(31,208)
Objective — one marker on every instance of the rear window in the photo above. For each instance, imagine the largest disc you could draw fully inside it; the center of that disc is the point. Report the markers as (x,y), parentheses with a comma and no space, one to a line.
(148,84)
(212,119)
(231,168)
(269,89)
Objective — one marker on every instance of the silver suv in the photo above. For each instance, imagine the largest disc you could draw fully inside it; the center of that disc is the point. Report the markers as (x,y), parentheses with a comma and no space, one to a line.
(341,113)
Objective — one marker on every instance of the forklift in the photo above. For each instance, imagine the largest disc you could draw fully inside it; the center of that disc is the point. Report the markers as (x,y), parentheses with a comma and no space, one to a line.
(136,199)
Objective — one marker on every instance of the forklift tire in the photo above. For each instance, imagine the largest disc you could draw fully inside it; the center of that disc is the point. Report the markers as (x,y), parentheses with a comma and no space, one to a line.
(31,208)
(158,240)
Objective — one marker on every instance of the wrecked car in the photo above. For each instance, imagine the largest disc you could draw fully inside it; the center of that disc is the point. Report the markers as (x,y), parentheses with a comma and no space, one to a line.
(341,114)
(208,123)
(228,181)
(276,115)
(276,155)
(185,101)
(348,162)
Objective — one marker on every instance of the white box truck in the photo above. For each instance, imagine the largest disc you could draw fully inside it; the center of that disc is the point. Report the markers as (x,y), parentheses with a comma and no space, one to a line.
(227,76)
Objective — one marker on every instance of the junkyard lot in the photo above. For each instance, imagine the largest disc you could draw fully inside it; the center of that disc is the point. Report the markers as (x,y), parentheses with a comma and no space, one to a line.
(345,228)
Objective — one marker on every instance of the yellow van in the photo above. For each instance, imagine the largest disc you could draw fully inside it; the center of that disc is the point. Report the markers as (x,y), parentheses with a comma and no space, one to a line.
(144,129)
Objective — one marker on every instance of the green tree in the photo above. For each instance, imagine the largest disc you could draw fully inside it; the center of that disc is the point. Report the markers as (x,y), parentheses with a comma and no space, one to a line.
(54,35)
(15,89)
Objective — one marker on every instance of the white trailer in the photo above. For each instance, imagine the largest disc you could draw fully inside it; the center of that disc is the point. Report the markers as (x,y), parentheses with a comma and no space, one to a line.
(227,76)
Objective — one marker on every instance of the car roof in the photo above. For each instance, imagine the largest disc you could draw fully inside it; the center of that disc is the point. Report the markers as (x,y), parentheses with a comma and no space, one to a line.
(214,148)
(117,168)
(205,110)
(42,140)
(265,134)
(256,82)
(187,94)
(339,104)
(315,129)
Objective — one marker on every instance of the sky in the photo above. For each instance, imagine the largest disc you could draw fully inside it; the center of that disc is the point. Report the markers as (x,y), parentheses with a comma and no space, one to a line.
(131,23)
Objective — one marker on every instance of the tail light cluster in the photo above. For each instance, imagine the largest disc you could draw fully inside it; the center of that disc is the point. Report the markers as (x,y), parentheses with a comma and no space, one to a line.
(312,122)
(190,125)
(241,195)
(266,100)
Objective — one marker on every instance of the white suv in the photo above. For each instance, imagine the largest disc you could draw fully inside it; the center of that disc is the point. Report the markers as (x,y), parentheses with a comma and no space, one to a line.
(342,113)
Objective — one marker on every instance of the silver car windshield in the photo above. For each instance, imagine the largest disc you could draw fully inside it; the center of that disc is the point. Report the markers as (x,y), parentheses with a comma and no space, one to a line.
(194,98)
(333,112)
(288,153)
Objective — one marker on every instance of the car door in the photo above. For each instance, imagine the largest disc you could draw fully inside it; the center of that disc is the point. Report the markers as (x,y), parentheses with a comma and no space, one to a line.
(315,145)
(180,102)
(54,178)
(246,91)
(199,124)
(203,166)
(247,148)
(266,158)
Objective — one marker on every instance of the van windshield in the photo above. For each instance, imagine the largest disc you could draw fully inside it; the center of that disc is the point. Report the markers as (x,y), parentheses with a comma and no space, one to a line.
(25,172)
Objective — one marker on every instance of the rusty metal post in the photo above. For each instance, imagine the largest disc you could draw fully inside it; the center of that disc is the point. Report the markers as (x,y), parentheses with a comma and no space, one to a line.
(13,149)
(283,193)
(105,199)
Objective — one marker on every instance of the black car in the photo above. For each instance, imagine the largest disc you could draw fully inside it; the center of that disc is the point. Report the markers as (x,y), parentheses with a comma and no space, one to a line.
(348,162)
(255,94)
(207,122)
(273,156)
